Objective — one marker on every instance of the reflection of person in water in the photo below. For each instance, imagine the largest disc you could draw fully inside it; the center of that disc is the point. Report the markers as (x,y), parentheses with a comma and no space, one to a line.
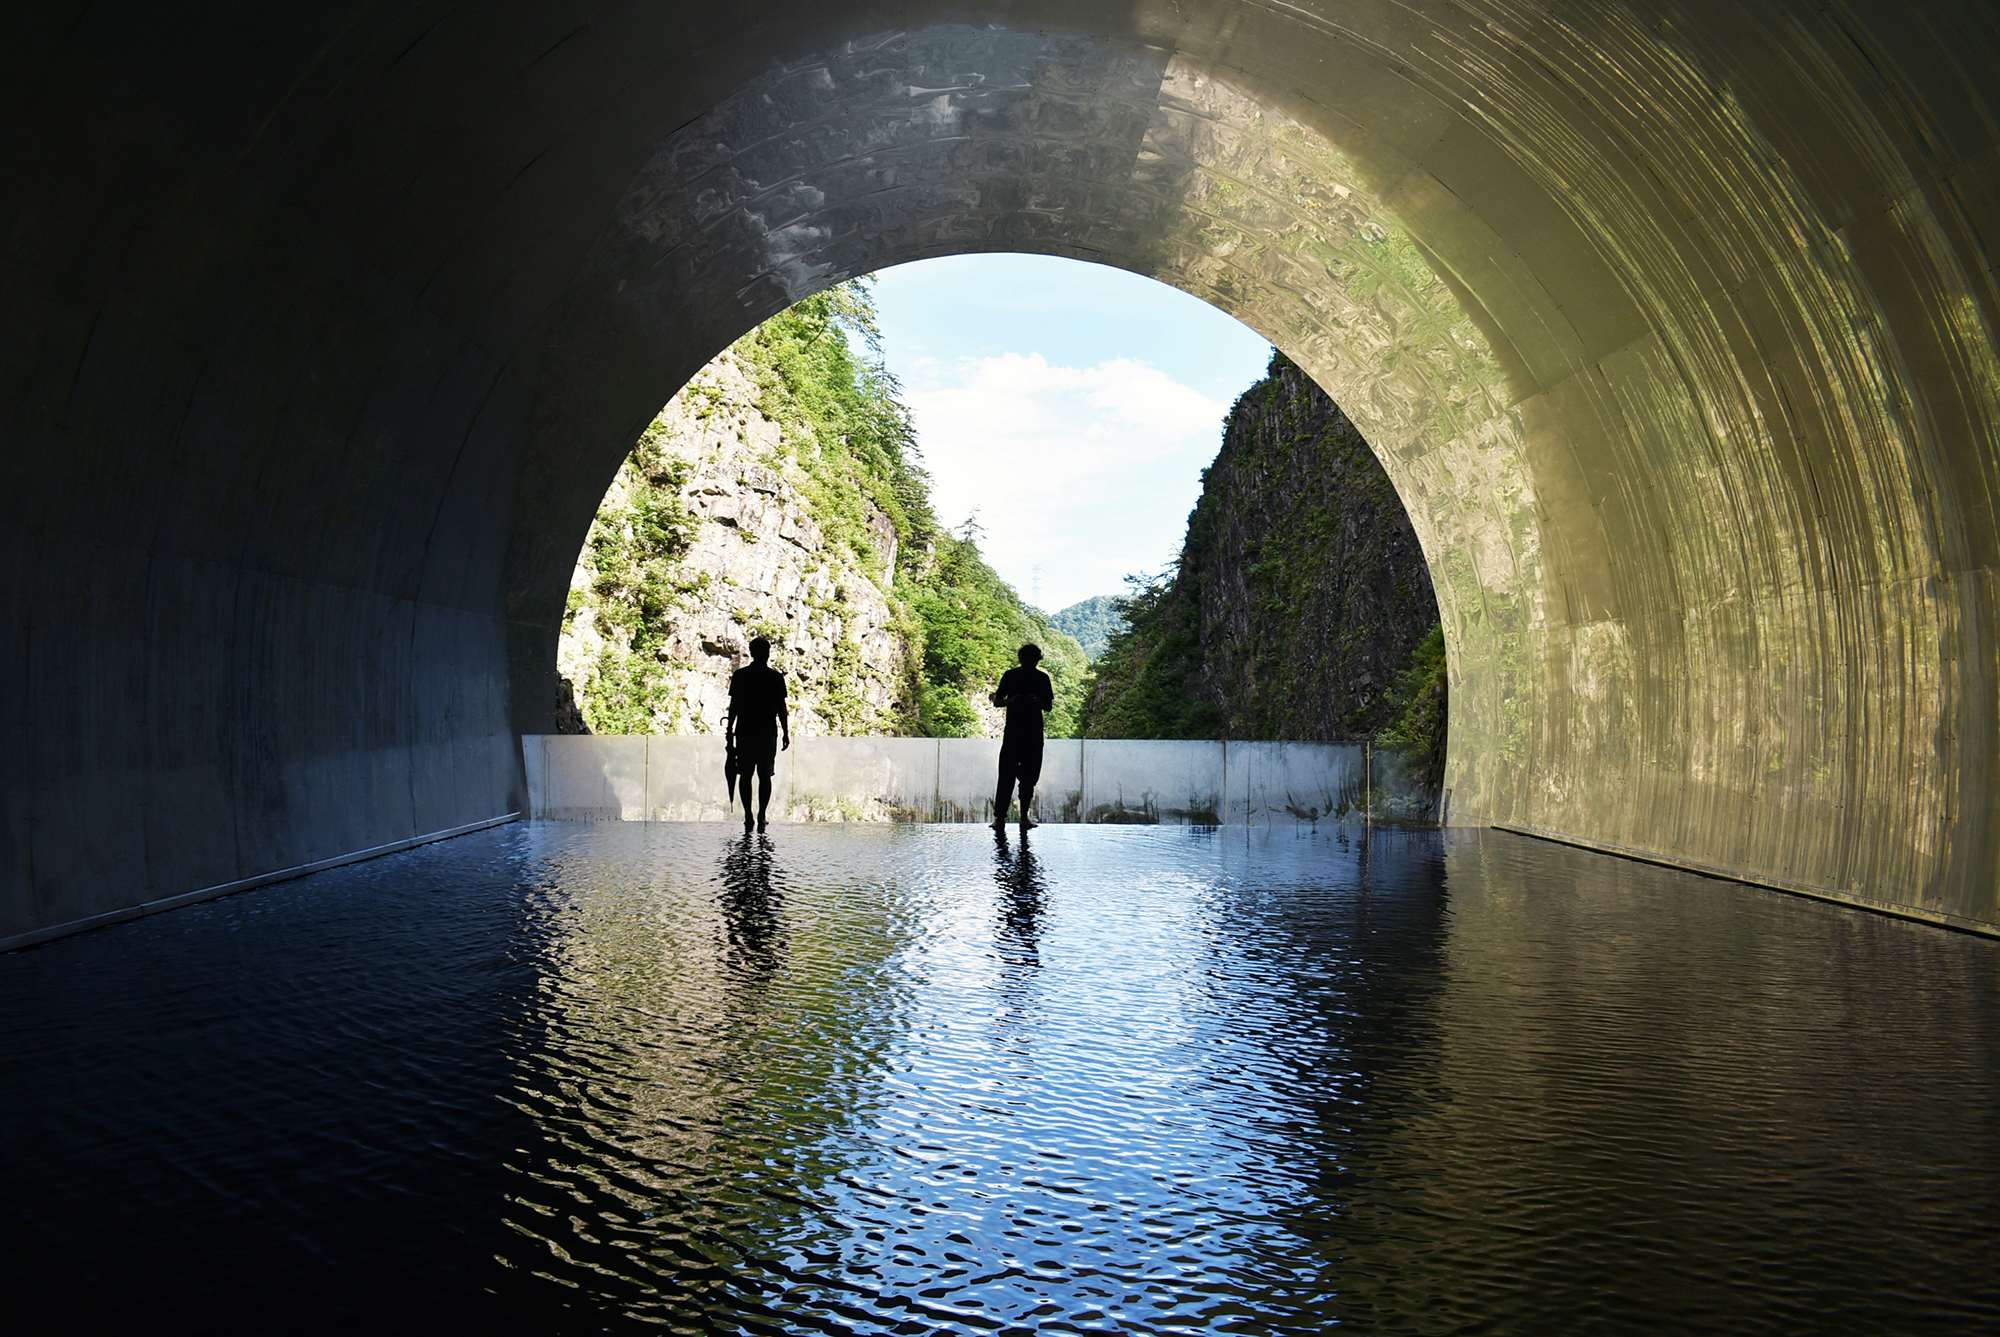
(1022,894)
(750,903)
(1025,692)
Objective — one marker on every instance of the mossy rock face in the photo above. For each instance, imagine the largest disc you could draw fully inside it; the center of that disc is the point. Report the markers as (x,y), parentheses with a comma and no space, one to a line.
(1299,604)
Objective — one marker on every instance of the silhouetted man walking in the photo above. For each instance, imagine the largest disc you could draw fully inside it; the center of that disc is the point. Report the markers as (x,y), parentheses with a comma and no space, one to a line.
(1024,693)
(756,715)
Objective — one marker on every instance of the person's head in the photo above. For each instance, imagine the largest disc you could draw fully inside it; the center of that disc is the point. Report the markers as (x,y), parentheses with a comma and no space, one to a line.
(1030,655)
(760,648)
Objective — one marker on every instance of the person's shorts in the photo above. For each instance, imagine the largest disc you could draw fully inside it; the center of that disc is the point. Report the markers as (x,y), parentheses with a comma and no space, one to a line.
(1021,759)
(756,752)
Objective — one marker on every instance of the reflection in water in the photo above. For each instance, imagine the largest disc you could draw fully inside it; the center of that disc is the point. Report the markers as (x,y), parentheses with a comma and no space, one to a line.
(1019,878)
(750,902)
(887,1079)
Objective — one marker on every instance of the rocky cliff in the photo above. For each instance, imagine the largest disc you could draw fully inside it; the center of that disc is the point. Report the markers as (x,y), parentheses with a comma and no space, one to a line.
(1301,598)
(779,494)
(706,538)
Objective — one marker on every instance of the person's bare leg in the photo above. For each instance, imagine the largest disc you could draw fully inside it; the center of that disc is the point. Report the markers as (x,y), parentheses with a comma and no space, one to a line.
(1027,801)
(763,799)
(744,780)
(1002,796)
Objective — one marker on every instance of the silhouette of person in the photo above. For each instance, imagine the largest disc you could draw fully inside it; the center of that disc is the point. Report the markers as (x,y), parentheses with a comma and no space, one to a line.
(756,715)
(1025,692)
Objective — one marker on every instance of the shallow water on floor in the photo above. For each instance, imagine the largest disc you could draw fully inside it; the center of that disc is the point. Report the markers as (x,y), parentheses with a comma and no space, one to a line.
(914,1079)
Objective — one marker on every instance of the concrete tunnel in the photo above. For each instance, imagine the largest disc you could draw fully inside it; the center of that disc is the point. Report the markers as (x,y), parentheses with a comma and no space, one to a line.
(1673,322)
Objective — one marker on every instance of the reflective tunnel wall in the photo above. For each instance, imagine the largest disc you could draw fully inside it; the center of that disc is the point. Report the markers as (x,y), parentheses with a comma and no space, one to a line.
(1673,323)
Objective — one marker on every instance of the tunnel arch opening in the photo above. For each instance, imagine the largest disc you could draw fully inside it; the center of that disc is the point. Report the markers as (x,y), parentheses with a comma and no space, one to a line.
(817,482)
(1674,327)
(1236,205)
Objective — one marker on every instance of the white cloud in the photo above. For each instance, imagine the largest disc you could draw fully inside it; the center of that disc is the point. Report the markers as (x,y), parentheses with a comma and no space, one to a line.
(1088,472)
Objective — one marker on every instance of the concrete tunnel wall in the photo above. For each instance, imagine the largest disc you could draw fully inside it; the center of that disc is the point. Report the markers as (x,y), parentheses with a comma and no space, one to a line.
(1674,324)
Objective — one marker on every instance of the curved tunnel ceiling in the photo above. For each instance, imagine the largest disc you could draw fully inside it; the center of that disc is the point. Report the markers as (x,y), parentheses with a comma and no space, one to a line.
(1674,327)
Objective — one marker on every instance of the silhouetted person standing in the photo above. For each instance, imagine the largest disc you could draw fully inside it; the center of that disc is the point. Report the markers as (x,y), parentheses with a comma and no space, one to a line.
(1025,692)
(756,716)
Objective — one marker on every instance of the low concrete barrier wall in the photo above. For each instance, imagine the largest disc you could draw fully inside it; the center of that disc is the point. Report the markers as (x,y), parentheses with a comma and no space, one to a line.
(675,779)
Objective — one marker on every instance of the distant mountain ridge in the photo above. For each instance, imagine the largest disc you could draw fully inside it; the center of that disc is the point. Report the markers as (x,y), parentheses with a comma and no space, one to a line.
(1092,622)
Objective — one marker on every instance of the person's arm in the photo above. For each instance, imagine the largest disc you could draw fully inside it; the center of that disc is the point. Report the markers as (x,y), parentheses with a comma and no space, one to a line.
(784,716)
(1045,689)
(999,697)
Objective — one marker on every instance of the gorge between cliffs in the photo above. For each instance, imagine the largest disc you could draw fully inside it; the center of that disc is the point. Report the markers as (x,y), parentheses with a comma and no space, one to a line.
(782,493)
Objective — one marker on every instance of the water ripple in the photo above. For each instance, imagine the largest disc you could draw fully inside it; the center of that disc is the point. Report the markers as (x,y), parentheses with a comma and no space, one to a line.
(915,1080)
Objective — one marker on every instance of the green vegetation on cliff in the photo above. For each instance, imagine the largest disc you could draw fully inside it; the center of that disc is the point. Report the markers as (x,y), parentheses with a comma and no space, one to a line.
(1417,708)
(636,546)
(1148,681)
(844,457)
(1300,606)
(971,622)
(842,422)
(1091,622)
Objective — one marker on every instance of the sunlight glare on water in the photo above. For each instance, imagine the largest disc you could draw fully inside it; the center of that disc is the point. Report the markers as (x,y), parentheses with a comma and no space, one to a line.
(917,1079)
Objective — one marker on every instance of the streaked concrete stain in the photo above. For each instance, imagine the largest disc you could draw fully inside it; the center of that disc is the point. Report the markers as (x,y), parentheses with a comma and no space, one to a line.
(663,778)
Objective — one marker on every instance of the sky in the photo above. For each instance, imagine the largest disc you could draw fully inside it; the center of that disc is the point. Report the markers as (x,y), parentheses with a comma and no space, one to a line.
(1071,406)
